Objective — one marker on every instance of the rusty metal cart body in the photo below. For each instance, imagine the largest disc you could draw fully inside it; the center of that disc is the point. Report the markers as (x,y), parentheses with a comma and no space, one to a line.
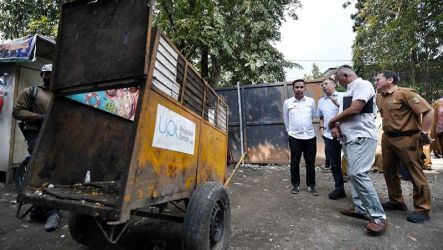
(132,125)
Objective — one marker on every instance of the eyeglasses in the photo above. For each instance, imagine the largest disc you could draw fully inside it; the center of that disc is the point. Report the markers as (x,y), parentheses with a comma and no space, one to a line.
(378,78)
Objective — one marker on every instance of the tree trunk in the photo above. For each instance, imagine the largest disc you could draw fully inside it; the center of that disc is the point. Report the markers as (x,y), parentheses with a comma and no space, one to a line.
(215,71)
(412,66)
(204,67)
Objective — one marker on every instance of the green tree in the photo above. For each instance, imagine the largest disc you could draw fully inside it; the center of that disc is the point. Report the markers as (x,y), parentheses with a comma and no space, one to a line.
(24,17)
(229,41)
(404,36)
(315,73)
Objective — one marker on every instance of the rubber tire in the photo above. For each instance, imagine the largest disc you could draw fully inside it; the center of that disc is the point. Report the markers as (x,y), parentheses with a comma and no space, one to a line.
(84,230)
(20,173)
(208,197)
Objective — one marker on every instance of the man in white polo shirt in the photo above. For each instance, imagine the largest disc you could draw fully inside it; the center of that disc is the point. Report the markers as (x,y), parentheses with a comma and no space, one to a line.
(328,108)
(355,126)
(298,112)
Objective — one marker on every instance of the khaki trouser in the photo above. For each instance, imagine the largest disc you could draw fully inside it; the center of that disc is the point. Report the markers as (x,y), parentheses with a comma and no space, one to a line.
(427,153)
(378,163)
(344,165)
(407,149)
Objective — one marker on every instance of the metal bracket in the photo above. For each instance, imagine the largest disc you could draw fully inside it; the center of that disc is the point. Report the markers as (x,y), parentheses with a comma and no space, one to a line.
(114,234)
(20,204)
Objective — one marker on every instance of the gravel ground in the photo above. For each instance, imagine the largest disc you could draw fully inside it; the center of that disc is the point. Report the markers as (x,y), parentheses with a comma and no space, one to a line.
(265,215)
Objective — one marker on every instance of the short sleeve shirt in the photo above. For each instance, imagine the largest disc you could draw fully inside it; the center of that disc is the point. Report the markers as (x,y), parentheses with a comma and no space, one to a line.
(363,124)
(401,109)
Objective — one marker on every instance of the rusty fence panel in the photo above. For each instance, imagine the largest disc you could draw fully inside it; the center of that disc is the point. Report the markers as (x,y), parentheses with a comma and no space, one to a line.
(264,134)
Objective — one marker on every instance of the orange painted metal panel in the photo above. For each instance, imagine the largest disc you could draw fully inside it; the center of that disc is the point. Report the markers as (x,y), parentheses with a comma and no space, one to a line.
(157,172)
(212,158)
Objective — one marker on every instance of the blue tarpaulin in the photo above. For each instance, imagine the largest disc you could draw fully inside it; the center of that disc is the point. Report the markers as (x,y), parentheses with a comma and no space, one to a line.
(22,49)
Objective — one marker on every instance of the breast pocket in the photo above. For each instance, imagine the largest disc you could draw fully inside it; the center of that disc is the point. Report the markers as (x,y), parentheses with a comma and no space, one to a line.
(396,110)
(394,106)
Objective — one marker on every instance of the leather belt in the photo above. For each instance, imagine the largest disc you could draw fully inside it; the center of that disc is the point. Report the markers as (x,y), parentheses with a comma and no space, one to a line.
(401,133)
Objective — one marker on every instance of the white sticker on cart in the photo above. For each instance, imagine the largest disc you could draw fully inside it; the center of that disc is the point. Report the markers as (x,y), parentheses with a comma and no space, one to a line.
(173,131)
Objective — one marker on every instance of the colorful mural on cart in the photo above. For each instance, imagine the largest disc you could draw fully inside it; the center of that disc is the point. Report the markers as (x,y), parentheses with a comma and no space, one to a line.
(121,102)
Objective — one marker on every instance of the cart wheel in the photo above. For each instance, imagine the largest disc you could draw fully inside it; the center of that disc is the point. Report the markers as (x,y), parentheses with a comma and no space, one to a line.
(208,218)
(84,230)
(20,173)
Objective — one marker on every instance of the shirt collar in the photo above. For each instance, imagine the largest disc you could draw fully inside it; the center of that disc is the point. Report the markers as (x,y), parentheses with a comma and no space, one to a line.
(301,100)
(390,91)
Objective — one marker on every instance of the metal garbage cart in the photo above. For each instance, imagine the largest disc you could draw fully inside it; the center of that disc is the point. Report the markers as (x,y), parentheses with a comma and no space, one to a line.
(132,127)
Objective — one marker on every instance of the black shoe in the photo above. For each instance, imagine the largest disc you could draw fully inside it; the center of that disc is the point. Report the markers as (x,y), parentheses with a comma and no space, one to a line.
(337,194)
(389,206)
(295,190)
(417,217)
(312,191)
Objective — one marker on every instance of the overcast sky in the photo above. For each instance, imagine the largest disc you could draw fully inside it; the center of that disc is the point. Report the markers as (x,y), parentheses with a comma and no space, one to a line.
(322,35)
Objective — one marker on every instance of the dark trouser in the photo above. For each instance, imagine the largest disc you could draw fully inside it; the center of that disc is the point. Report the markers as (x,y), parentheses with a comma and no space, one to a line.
(31,139)
(333,153)
(409,151)
(309,149)
(39,212)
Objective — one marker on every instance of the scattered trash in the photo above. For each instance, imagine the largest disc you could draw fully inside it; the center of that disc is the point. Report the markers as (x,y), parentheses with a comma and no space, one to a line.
(62,236)
(51,186)
(412,238)
(88,176)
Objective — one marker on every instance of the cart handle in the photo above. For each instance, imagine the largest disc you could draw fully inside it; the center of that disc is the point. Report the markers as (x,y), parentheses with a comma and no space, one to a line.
(235,169)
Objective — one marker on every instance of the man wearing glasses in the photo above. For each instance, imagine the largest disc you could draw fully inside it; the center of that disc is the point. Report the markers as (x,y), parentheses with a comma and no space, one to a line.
(328,108)
(407,121)
(298,112)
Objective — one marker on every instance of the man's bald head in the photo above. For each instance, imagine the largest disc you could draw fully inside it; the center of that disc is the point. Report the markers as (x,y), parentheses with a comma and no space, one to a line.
(345,75)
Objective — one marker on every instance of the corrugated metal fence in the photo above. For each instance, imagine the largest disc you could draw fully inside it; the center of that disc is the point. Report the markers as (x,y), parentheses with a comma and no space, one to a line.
(264,135)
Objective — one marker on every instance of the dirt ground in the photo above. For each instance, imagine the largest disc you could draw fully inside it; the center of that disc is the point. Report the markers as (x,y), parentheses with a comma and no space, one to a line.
(265,215)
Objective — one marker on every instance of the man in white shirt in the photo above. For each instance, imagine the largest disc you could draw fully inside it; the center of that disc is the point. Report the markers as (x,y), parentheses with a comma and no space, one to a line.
(355,126)
(298,112)
(328,108)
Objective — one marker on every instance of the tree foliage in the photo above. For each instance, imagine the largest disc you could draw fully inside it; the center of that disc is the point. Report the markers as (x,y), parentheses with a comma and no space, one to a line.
(23,17)
(405,36)
(315,73)
(229,41)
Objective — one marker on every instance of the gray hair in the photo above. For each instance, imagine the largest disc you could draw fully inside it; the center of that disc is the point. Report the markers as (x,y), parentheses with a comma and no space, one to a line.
(346,69)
